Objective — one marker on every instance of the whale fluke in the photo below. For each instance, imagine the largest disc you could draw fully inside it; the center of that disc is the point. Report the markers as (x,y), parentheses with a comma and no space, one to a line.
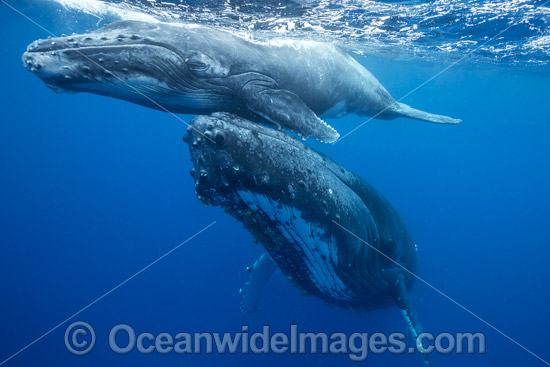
(407,111)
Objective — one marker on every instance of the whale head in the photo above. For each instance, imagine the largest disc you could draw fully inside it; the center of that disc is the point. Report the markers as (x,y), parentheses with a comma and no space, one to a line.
(221,163)
(230,153)
(134,61)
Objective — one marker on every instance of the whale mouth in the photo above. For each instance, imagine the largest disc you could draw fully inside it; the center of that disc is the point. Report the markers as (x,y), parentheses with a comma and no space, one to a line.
(116,48)
(103,47)
(67,65)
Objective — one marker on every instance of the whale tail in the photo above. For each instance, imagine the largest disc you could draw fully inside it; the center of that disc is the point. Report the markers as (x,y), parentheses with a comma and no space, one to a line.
(407,111)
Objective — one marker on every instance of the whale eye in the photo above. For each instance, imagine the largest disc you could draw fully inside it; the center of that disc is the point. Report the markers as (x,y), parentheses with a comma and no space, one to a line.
(197,62)
(197,66)
(205,66)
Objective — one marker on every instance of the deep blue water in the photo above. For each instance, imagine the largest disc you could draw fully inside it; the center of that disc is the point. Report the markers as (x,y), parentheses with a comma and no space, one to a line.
(93,189)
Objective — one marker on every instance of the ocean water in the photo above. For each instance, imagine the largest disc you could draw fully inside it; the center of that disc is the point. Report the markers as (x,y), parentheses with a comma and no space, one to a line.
(92,189)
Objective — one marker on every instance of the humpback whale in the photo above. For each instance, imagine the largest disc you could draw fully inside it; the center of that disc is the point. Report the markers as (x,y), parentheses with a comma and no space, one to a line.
(296,202)
(194,69)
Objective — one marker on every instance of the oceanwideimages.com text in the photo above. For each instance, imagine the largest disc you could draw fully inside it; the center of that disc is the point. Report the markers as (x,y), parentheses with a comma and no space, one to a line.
(80,338)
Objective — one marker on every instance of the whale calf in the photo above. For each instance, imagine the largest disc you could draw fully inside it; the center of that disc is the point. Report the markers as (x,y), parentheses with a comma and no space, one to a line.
(296,202)
(196,69)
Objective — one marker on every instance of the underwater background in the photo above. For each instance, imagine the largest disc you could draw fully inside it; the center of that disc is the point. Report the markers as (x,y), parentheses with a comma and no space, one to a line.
(94,189)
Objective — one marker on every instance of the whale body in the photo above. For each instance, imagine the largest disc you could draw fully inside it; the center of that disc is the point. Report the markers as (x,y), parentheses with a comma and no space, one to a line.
(328,231)
(182,68)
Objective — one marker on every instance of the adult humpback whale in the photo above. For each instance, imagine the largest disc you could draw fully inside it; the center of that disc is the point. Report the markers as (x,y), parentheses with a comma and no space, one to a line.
(197,69)
(296,207)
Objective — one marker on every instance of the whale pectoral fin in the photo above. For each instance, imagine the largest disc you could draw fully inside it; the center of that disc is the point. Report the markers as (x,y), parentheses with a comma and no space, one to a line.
(286,110)
(259,274)
(415,329)
(400,296)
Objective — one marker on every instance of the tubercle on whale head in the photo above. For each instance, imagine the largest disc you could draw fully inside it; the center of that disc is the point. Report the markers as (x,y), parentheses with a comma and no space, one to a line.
(119,33)
(67,48)
(214,166)
(223,156)
(115,60)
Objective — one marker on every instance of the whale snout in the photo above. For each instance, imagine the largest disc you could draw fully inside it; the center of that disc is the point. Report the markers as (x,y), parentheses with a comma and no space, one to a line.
(212,140)
(210,129)
(43,66)
(30,62)
(107,38)
(114,61)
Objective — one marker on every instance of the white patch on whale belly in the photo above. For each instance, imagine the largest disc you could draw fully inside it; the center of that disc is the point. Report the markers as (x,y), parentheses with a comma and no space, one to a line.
(336,111)
(306,237)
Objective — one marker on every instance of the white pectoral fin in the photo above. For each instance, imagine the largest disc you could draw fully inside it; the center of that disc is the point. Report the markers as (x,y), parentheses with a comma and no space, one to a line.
(401,299)
(284,109)
(336,111)
(258,276)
